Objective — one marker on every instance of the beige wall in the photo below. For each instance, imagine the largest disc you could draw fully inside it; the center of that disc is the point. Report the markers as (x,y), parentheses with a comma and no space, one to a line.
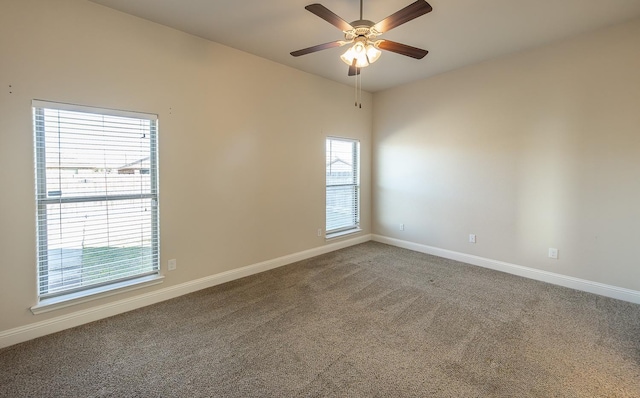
(241,139)
(536,150)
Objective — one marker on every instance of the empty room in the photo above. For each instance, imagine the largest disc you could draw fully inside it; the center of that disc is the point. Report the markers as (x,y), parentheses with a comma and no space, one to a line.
(352,198)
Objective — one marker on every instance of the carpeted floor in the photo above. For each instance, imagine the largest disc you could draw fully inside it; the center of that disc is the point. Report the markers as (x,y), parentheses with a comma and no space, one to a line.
(367,321)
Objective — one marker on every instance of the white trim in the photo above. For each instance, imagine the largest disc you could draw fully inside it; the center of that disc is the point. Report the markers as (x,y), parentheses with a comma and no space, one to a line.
(38,329)
(61,106)
(343,233)
(67,300)
(615,292)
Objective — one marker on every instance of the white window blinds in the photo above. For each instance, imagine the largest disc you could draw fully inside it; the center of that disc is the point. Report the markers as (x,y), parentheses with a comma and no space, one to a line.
(97,196)
(343,185)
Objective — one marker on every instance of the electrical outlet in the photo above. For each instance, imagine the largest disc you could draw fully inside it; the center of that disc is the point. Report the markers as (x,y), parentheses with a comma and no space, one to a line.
(472,238)
(553,253)
(172,264)
(401,227)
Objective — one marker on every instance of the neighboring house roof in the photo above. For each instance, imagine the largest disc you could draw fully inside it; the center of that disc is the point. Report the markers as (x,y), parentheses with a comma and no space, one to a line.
(338,165)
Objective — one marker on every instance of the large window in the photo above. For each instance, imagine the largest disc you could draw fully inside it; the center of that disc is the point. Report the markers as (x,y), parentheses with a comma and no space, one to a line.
(343,186)
(97,198)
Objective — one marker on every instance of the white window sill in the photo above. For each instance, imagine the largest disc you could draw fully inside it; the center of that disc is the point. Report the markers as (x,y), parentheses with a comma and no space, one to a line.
(339,234)
(67,300)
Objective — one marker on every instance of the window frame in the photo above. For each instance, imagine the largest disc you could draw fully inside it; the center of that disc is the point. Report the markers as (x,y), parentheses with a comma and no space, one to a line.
(60,298)
(355,159)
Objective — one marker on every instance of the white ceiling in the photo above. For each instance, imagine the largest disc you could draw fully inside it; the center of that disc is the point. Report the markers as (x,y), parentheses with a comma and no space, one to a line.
(456,32)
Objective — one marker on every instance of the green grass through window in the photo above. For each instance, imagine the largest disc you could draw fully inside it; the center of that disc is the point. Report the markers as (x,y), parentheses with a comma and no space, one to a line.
(107,263)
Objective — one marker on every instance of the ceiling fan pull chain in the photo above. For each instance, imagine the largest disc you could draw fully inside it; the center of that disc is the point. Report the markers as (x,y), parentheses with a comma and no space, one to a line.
(360,92)
(356,92)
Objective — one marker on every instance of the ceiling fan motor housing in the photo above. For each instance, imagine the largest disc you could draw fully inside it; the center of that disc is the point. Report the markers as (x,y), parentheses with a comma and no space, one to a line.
(362,28)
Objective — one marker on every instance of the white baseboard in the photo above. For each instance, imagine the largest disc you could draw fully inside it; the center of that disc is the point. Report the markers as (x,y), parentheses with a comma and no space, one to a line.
(38,329)
(601,289)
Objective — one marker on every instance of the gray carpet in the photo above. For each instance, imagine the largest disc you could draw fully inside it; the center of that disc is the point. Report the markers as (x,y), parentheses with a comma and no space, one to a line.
(367,321)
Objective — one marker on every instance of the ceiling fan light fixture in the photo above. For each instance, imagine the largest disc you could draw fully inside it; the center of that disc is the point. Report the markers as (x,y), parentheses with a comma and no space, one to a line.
(364,54)
(373,53)
(357,52)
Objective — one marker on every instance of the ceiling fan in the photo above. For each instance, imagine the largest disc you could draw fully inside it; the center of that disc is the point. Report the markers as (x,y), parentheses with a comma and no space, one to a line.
(363,34)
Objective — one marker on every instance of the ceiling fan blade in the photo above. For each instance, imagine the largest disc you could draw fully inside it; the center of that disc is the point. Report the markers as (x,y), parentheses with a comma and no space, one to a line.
(403,49)
(353,69)
(319,47)
(412,11)
(326,14)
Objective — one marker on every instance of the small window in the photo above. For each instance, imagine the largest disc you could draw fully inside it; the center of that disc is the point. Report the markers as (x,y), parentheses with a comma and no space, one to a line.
(97,197)
(343,186)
